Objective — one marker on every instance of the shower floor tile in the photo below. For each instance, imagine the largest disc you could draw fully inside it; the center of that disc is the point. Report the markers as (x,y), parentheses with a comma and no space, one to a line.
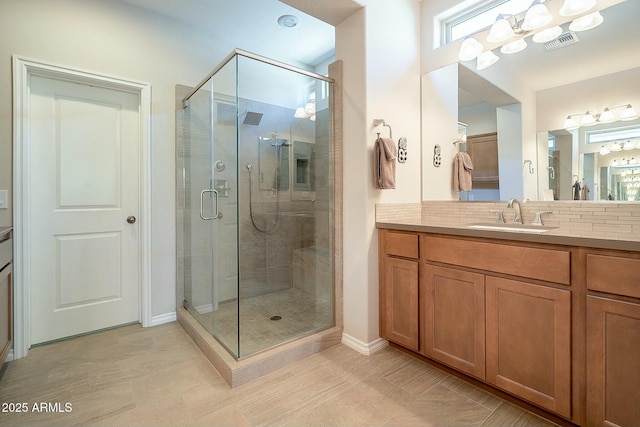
(299,314)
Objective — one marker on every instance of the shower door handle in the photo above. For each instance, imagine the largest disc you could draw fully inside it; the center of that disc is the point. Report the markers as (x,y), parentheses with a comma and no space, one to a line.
(202,193)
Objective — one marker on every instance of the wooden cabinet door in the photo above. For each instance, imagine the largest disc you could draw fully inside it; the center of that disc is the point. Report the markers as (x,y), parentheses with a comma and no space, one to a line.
(453,307)
(613,362)
(529,342)
(399,302)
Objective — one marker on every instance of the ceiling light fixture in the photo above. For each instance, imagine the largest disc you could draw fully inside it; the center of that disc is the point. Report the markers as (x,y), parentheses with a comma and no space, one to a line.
(288,21)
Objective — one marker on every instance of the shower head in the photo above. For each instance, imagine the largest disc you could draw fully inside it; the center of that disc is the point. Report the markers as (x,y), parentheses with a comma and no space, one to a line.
(252,118)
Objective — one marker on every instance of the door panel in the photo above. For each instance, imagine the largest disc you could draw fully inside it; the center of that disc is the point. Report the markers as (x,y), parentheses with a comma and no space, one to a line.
(84,163)
(454,315)
(529,342)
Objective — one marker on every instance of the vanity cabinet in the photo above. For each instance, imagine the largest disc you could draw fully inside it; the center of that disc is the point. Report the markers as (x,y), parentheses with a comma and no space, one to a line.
(6,295)
(399,304)
(613,339)
(497,311)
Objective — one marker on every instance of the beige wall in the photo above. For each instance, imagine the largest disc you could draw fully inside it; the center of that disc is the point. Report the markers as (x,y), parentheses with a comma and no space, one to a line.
(380,47)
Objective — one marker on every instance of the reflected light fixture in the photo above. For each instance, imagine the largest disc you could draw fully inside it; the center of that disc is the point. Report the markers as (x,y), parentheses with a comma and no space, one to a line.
(514,47)
(486,59)
(547,35)
(607,116)
(588,119)
(570,123)
(308,111)
(586,22)
(537,16)
(576,7)
(629,113)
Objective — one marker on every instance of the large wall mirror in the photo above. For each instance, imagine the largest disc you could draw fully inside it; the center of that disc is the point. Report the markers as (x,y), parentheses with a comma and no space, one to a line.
(539,88)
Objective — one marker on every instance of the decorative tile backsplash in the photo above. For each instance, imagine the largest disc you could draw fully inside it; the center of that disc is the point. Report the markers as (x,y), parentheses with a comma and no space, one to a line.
(605,219)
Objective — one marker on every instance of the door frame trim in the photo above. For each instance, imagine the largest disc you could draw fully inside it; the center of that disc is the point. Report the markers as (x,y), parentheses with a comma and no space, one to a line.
(23,69)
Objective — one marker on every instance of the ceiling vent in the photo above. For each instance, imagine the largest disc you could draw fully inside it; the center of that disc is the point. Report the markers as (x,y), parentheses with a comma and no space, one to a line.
(563,40)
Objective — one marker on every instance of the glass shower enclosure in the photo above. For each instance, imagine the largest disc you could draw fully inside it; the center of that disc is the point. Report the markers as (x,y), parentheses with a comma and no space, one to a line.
(255,203)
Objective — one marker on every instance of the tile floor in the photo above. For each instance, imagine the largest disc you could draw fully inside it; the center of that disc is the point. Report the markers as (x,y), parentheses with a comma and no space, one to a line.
(157,377)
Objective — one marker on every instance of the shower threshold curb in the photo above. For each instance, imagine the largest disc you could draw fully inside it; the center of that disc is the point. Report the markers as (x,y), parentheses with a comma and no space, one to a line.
(238,372)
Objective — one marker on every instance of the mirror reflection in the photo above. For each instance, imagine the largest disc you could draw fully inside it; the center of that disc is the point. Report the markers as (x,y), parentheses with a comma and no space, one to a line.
(543,87)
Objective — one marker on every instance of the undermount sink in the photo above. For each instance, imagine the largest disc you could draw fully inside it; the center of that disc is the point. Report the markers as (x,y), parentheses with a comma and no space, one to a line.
(514,228)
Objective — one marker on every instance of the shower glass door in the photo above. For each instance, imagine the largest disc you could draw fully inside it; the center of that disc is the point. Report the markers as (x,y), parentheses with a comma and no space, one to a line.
(211,207)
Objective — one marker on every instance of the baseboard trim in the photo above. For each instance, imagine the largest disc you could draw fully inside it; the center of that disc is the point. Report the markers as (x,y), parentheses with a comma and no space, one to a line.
(362,347)
(163,318)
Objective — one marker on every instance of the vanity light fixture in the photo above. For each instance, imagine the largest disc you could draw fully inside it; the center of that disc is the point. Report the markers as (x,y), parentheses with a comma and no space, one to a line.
(514,47)
(586,22)
(547,35)
(502,29)
(521,25)
(576,7)
(470,49)
(607,116)
(604,151)
(486,59)
(537,16)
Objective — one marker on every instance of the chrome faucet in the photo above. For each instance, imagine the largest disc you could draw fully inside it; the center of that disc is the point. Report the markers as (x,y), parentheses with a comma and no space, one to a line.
(510,204)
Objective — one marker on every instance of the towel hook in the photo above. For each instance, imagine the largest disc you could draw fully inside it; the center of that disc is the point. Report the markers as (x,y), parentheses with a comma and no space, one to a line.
(378,122)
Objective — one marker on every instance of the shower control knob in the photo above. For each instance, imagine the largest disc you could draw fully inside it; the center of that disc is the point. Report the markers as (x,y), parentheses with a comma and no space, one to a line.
(131,219)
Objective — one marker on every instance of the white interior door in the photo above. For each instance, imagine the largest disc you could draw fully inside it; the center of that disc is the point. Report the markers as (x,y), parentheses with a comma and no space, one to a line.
(83,205)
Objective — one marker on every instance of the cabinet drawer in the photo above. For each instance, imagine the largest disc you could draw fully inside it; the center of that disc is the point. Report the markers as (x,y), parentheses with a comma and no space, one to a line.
(551,265)
(5,253)
(401,244)
(613,274)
